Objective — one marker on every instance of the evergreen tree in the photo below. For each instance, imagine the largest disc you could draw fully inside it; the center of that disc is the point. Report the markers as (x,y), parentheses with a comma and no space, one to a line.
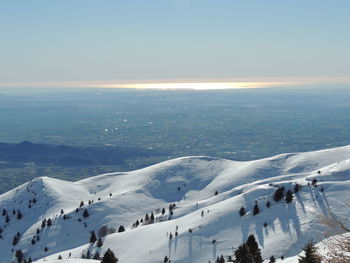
(166,259)
(99,242)
(296,188)
(289,196)
(109,257)
(311,255)
(254,249)
(4,212)
(121,228)
(268,204)
(171,207)
(43,223)
(272,259)
(220,259)
(19,215)
(242,211)
(256,209)
(93,237)
(243,255)
(19,255)
(7,219)
(15,239)
(279,193)
(314,182)
(49,222)
(86,213)
(96,256)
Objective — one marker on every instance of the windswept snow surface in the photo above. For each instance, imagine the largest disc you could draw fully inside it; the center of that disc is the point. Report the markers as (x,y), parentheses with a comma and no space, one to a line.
(207,225)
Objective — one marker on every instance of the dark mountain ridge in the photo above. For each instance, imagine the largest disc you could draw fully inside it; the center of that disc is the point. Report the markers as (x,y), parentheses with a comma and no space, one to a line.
(63,155)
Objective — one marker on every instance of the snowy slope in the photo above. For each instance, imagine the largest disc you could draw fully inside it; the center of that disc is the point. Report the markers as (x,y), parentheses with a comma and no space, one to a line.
(189,182)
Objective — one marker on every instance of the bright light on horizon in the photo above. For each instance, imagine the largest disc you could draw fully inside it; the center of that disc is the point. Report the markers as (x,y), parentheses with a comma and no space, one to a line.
(181,85)
(195,85)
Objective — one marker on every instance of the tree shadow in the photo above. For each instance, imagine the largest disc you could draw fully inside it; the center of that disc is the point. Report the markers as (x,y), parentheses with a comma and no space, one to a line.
(245,224)
(190,249)
(319,200)
(259,233)
(300,201)
(214,251)
(169,247)
(292,211)
(175,245)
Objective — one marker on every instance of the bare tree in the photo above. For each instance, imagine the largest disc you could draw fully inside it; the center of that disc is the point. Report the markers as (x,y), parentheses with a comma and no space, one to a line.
(338,244)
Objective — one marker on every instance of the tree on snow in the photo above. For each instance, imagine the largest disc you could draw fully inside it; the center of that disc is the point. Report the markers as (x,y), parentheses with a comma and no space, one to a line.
(242,211)
(256,209)
(243,255)
(109,257)
(311,255)
(19,215)
(296,188)
(85,213)
(99,242)
(279,193)
(254,249)
(121,228)
(289,196)
(96,256)
(93,237)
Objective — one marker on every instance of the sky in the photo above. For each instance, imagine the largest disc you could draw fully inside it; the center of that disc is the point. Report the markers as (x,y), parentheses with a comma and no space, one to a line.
(84,41)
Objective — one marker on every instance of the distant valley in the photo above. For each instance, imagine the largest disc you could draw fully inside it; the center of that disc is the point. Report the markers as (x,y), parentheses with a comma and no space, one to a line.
(64,161)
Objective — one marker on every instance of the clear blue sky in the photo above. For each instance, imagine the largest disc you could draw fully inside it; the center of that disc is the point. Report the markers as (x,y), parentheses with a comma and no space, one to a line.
(82,40)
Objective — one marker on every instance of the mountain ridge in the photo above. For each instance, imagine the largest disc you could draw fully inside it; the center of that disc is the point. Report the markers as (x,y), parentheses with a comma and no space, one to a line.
(207,193)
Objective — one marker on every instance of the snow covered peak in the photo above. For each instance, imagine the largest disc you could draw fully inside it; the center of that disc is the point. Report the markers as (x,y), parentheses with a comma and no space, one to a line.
(194,204)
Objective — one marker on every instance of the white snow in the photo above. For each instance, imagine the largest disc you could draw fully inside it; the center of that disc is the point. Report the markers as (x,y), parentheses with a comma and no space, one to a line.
(190,183)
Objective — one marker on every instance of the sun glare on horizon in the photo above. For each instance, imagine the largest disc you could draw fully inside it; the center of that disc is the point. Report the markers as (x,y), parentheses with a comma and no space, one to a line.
(195,85)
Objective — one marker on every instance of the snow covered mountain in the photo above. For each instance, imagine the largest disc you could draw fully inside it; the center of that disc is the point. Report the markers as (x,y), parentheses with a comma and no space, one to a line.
(201,196)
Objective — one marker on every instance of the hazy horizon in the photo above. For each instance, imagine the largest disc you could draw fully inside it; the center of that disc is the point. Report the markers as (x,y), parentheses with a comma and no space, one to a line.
(88,42)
